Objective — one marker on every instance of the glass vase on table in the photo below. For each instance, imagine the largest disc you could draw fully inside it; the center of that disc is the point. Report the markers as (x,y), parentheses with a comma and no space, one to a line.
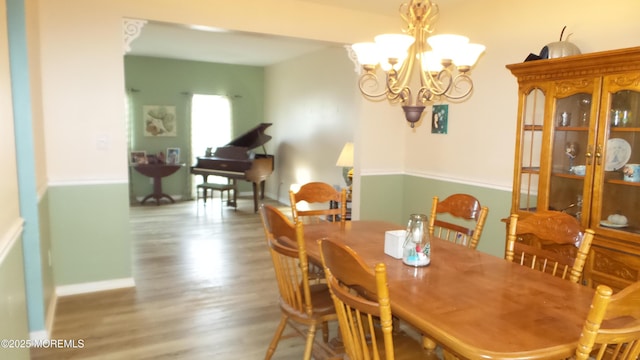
(417,245)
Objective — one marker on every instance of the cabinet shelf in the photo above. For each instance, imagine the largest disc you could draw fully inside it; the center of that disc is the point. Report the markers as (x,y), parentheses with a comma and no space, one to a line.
(568,176)
(530,170)
(572,128)
(622,182)
(625,129)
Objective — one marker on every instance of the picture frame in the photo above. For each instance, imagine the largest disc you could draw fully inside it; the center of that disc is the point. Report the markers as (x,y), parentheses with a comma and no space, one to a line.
(138,157)
(152,159)
(439,119)
(173,156)
(159,120)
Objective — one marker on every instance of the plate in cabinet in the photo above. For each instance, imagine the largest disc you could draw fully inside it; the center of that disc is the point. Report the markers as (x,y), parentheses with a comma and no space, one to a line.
(618,153)
(612,225)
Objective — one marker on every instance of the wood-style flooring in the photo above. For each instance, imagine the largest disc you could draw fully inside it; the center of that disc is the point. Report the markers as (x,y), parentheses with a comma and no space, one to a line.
(205,289)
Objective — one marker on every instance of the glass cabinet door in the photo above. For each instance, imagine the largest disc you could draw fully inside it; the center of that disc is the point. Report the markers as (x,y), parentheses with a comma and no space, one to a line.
(530,144)
(569,153)
(617,190)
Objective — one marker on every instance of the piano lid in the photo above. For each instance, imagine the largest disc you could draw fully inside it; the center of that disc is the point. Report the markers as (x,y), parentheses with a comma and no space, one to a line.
(252,138)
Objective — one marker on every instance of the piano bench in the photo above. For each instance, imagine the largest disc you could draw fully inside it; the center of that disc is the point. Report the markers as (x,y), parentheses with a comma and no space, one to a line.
(219,187)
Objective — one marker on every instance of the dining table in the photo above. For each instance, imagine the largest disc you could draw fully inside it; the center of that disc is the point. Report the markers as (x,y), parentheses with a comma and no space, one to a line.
(476,305)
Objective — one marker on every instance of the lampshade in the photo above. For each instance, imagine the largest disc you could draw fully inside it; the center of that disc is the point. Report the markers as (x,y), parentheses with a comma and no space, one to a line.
(469,56)
(367,53)
(346,156)
(431,62)
(447,46)
(394,46)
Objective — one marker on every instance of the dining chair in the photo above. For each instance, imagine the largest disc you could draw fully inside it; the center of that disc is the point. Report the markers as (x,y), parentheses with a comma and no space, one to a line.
(459,218)
(301,302)
(323,200)
(361,298)
(612,327)
(549,241)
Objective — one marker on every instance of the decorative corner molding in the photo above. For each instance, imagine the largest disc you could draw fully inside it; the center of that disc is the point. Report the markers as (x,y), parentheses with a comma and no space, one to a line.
(132,28)
(353,58)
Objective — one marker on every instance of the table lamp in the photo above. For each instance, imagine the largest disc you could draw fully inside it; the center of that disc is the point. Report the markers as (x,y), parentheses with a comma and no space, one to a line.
(345,160)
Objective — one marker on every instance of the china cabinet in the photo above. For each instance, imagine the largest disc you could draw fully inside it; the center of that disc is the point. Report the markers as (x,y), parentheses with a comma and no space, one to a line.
(577,150)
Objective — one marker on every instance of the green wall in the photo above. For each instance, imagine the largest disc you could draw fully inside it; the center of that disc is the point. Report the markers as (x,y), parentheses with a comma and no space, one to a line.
(48,286)
(157,81)
(395,197)
(90,234)
(13,309)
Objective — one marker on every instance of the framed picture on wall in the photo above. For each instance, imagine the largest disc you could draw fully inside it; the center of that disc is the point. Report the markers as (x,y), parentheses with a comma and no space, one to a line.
(159,120)
(138,157)
(439,119)
(173,156)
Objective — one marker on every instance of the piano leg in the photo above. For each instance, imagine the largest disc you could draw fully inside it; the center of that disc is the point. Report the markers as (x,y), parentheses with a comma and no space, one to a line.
(255,194)
(255,197)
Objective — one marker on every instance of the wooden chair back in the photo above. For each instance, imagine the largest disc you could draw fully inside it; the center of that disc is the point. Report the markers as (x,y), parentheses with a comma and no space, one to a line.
(612,327)
(467,218)
(549,241)
(361,297)
(322,194)
(299,300)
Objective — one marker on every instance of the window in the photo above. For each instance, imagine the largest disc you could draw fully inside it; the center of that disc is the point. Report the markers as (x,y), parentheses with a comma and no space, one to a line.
(210,128)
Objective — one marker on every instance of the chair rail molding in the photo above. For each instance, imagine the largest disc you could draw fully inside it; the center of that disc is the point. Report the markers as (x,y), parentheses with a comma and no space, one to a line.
(132,29)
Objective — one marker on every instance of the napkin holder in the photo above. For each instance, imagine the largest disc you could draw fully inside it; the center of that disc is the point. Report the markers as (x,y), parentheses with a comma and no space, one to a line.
(393,241)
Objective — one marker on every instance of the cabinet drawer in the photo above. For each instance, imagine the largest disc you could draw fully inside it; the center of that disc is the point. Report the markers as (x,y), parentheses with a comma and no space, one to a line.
(613,268)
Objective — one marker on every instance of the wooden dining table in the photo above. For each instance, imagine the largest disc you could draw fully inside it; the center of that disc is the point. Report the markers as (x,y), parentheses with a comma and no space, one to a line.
(475,304)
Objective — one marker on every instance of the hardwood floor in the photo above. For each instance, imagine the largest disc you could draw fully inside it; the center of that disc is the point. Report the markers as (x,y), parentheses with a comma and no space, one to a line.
(205,289)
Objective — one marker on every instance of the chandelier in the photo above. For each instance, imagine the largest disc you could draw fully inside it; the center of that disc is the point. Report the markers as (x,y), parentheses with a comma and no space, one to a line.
(444,68)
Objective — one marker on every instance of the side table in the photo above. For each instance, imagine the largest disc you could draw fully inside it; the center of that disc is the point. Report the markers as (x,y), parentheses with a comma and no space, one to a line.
(157,172)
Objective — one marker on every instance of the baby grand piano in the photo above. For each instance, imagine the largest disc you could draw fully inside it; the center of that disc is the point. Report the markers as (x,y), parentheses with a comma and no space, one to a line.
(236,161)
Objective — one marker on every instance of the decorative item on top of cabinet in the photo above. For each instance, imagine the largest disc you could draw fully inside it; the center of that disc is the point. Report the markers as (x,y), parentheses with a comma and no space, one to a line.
(578,129)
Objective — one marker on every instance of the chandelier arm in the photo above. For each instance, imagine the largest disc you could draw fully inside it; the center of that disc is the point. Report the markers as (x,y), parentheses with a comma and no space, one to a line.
(440,83)
(396,91)
(458,80)
(370,80)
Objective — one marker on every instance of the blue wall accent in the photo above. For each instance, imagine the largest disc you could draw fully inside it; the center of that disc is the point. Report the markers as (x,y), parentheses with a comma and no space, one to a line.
(18,56)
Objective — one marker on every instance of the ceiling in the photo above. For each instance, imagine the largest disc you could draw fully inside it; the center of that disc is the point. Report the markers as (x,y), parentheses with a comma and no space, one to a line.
(186,42)
(219,46)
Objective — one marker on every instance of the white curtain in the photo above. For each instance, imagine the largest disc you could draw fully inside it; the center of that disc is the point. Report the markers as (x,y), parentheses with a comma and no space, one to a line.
(210,128)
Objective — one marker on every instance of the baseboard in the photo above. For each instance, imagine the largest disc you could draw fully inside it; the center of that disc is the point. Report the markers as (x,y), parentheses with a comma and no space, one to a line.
(84,288)
(48,322)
